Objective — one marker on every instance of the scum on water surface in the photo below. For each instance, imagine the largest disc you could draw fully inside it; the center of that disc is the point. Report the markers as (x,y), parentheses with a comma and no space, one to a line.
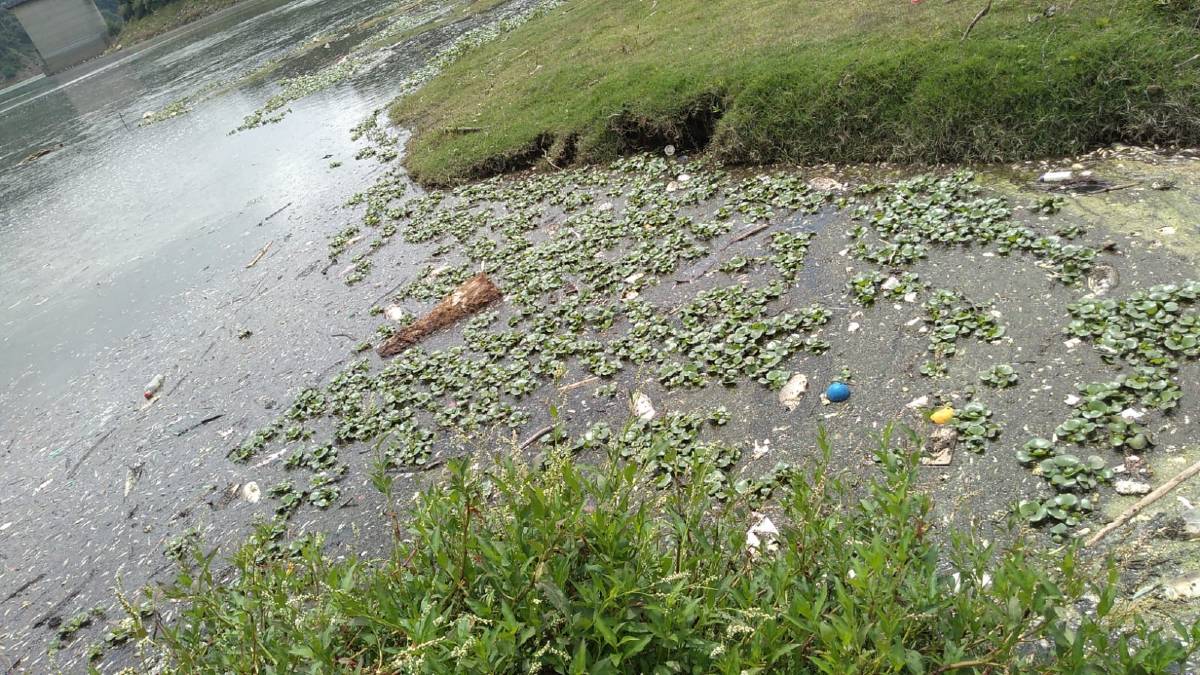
(597,267)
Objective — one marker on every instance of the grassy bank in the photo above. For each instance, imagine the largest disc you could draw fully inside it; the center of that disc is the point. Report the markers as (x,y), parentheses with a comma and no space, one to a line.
(820,80)
(168,17)
(590,570)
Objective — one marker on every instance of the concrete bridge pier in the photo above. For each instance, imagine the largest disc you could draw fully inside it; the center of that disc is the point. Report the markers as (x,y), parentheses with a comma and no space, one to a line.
(65,32)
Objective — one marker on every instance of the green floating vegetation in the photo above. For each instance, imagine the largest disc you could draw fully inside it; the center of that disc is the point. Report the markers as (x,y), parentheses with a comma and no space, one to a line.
(811,83)
(1151,331)
(574,568)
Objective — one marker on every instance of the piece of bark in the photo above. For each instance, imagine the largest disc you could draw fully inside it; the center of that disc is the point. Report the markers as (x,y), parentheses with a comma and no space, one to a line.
(470,297)
(941,446)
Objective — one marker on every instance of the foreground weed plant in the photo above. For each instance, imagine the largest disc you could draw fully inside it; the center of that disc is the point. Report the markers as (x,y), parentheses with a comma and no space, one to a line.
(580,569)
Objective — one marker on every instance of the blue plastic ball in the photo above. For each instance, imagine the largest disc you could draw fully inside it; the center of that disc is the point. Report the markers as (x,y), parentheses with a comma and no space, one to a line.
(837,392)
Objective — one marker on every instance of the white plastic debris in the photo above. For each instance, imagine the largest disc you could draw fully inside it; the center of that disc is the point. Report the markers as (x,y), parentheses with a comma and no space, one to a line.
(251,493)
(395,313)
(1131,487)
(154,386)
(1071,399)
(793,390)
(1056,177)
(853,327)
(890,283)
(918,402)
(669,151)
(762,536)
(761,449)
(1072,343)
(1132,415)
(1180,588)
(643,409)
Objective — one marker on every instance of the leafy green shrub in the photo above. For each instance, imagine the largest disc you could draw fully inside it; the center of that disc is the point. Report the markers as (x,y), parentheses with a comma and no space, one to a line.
(577,569)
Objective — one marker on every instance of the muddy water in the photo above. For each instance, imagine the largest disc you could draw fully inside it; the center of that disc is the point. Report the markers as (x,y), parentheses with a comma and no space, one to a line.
(123,255)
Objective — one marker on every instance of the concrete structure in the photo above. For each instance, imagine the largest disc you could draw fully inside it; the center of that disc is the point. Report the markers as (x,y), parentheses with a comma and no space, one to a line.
(65,32)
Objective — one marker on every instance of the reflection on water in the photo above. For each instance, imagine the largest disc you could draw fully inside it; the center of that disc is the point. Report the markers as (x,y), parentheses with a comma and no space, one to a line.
(100,238)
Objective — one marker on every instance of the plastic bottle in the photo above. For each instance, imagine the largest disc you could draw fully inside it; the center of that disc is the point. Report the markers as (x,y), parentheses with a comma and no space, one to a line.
(153,387)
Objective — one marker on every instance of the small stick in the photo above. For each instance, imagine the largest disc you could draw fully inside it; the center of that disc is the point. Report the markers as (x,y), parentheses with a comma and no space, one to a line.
(1144,502)
(536,435)
(1112,188)
(275,213)
(576,385)
(746,235)
(982,13)
(260,254)
(391,290)
(713,263)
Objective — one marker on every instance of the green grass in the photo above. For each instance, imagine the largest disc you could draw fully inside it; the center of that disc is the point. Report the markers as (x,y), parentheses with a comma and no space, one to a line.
(167,18)
(818,80)
(572,568)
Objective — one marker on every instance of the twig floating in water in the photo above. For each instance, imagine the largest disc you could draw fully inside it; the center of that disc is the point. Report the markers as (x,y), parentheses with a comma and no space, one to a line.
(534,438)
(1142,503)
(260,254)
(199,424)
(275,213)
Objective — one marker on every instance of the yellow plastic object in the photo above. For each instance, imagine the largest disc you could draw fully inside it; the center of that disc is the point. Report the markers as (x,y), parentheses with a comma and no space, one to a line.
(942,415)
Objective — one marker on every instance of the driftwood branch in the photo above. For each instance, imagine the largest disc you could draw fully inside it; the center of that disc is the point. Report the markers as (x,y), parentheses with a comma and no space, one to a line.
(982,13)
(1144,502)
(470,297)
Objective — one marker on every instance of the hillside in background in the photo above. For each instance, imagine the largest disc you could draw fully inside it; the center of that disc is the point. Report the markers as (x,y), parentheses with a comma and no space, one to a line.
(18,58)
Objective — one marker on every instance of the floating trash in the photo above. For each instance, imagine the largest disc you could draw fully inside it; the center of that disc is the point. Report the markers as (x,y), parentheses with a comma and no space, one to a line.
(942,415)
(154,386)
(838,392)
(792,391)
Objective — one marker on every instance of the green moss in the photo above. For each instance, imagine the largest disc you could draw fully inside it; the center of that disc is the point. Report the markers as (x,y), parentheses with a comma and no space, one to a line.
(814,81)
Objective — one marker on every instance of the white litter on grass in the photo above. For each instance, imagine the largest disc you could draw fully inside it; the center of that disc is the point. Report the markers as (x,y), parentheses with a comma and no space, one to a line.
(762,536)
(1131,415)
(890,283)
